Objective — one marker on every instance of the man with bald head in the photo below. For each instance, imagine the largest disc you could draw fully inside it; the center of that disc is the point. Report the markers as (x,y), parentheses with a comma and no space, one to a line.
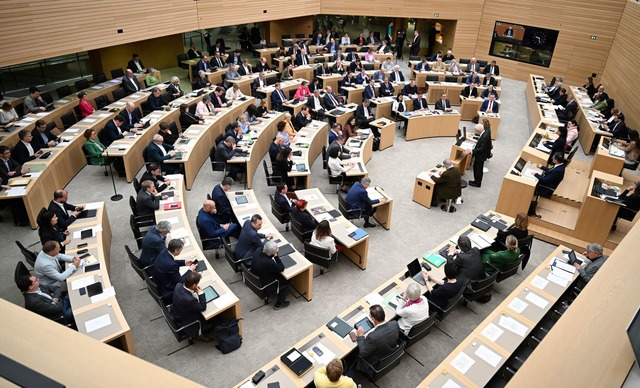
(480,152)
(61,208)
(131,118)
(130,83)
(158,152)
(211,229)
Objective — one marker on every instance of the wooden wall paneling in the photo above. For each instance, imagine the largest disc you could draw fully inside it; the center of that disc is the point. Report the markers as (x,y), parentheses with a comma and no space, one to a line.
(293,26)
(620,75)
(576,56)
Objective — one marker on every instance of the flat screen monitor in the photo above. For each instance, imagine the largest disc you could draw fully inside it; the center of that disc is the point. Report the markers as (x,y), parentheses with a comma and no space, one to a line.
(523,43)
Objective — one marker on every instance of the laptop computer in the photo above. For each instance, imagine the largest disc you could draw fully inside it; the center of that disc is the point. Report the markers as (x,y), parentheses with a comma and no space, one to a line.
(210,294)
(519,166)
(415,271)
(536,140)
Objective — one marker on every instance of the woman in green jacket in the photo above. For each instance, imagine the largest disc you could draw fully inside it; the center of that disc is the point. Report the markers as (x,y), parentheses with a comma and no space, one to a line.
(94,148)
(497,260)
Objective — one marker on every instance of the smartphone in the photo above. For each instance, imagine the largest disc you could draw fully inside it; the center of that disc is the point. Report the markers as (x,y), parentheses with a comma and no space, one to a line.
(83,290)
(85,255)
(82,245)
(195,261)
(82,251)
(317,351)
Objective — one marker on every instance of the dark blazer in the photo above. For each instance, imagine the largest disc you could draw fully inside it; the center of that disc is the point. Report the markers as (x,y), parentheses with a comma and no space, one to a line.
(344,152)
(362,80)
(357,197)
(274,150)
(448,184)
(202,65)
(442,105)
(485,106)
(233,59)
(262,67)
(110,133)
(336,47)
(186,309)
(155,155)
(549,180)
(482,149)
(558,146)
(155,103)
(37,142)
(377,344)
(131,65)
(278,99)
(473,67)
(419,67)
(128,86)
(172,89)
(42,305)
(299,59)
(147,203)
(618,130)
(488,80)
(158,180)
(219,196)
(416,103)
(409,90)
(392,77)
(300,121)
(328,103)
(496,70)
(282,201)
(224,153)
(312,104)
(322,71)
(467,90)
(470,264)
(193,54)
(187,119)
(14,166)
(242,71)
(129,122)
(153,243)
(249,240)
(53,234)
(361,119)
(386,89)
(166,274)
(210,228)
(215,62)
(471,79)
(352,56)
(560,99)
(281,168)
(304,218)
(64,219)
(266,268)
(346,81)
(485,93)
(20,153)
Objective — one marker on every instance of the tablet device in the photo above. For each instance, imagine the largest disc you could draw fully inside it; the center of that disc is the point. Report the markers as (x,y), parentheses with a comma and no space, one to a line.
(210,294)
(87,233)
(88,213)
(201,266)
(241,199)
(92,267)
(94,289)
(285,250)
(365,324)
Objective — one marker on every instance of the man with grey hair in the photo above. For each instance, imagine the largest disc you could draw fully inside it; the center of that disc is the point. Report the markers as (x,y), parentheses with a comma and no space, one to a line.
(480,153)
(157,152)
(595,254)
(345,153)
(467,259)
(266,265)
(448,185)
(358,198)
(234,93)
(131,118)
(225,152)
(174,88)
(153,243)
(155,101)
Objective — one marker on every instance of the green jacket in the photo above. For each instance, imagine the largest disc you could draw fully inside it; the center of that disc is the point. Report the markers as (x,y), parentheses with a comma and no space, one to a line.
(95,150)
(498,259)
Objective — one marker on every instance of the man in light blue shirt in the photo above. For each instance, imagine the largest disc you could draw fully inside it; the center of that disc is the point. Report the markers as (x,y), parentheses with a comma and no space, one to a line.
(48,268)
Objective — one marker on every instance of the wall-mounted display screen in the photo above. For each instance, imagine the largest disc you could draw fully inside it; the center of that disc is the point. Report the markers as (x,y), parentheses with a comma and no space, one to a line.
(523,43)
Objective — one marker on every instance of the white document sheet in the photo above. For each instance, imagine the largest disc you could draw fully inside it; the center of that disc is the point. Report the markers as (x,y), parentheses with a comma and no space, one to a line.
(76,284)
(488,355)
(537,300)
(492,332)
(539,282)
(97,323)
(518,305)
(106,293)
(462,362)
(513,325)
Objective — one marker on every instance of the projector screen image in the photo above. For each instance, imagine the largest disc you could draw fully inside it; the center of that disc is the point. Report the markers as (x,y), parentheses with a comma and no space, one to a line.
(523,43)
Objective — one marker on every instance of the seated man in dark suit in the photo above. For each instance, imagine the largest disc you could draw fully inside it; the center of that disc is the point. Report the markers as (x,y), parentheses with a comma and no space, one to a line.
(362,78)
(158,152)
(166,270)
(23,150)
(44,300)
(148,200)
(420,103)
(302,119)
(266,265)
(188,303)
(323,69)
(364,117)
(396,75)
(224,213)
(344,152)
(618,129)
(470,91)
(154,174)
(245,68)
(492,69)
(448,184)
(41,137)
(489,91)
(443,103)
(410,89)
(278,98)
(561,98)
(316,106)
(548,181)
(489,80)
(203,64)
(263,65)
(281,198)
(348,81)
(472,78)
(210,228)
(331,101)
(275,148)
(250,239)
(225,151)
(379,342)
(135,64)
(302,58)
(130,83)
(490,105)
(113,131)
(369,90)
(386,88)
(358,198)
(569,111)
(131,118)
(468,260)
(234,58)
(155,100)
(9,168)
(60,207)
(153,243)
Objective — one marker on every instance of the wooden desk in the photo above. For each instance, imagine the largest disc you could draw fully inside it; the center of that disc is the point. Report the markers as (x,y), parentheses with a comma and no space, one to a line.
(421,124)
(387,130)
(330,80)
(349,111)
(604,161)
(85,309)
(303,72)
(266,53)
(421,77)
(494,120)
(539,111)
(588,119)
(301,274)
(597,215)
(309,141)
(453,90)
(194,63)
(515,317)
(228,305)
(286,86)
(469,108)
(423,187)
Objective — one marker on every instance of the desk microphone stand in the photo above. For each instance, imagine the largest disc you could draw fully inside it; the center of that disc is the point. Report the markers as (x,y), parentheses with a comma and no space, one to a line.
(115,197)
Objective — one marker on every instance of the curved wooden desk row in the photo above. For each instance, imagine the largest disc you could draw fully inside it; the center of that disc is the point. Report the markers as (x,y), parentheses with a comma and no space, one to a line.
(227,306)
(588,119)
(454,91)
(245,81)
(539,111)
(421,77)
(286,86)
(100,316)
(62,107)
(194,62)
(276,371)
(65,161)
(481,355)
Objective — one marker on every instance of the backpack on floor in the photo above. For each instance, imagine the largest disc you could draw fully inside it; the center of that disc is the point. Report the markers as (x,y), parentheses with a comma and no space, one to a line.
(228,334)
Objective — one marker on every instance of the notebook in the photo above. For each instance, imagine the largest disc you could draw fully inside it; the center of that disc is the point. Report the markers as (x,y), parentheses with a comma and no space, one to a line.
(172,206)
(285,250)
(358,234)
(297,362)
(287,261)
(434,259)
(339,326)
(480,225)
(87,213)
(335,213)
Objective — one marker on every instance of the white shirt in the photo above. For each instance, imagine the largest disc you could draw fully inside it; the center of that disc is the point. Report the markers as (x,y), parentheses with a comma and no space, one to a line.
(164,152)
(233,95)
(138,65)
(327,243)
(412,315)
(202,109)
(29,148)
(396,104)
(133,82)
(346,40)
(335,167)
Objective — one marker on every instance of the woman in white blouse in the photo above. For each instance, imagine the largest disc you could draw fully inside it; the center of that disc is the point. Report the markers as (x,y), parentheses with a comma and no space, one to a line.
(413,308)
(337,169)
(346,39)
(205,107)
(8,114)
(321,237)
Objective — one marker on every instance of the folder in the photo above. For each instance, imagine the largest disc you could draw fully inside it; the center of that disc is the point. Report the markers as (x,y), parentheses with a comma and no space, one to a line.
(358,234)
(434,259)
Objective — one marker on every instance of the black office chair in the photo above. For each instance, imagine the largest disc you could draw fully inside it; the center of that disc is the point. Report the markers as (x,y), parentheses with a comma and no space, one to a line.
(119,94)
(419,331)
(46,96)
(51,126)
(117,73)
(386,364)
(508,270)
(216,242)
(20,271)
(255,284)
(140,220)
(99,78)
(319,256)
(414,58)
(464,61)
(63,91)
(318,60)
(88,159)
(525,245)
(230,255)
(68,120)
(136,185)
(29,256)
(350,214)
(138,234)
(338,180)
(177,330)
(451,304)
(153,288)
(299,231)
(145,108)
(450,78)
(272,180)
(475,290)
(280,215)
(136,264)
(180,58)
(82,84)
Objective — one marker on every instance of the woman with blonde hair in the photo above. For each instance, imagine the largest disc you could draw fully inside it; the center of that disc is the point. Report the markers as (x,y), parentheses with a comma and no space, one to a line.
(495,261)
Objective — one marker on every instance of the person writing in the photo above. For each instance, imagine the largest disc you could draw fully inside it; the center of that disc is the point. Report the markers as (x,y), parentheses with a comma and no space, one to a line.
(412,308)
(444,289)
